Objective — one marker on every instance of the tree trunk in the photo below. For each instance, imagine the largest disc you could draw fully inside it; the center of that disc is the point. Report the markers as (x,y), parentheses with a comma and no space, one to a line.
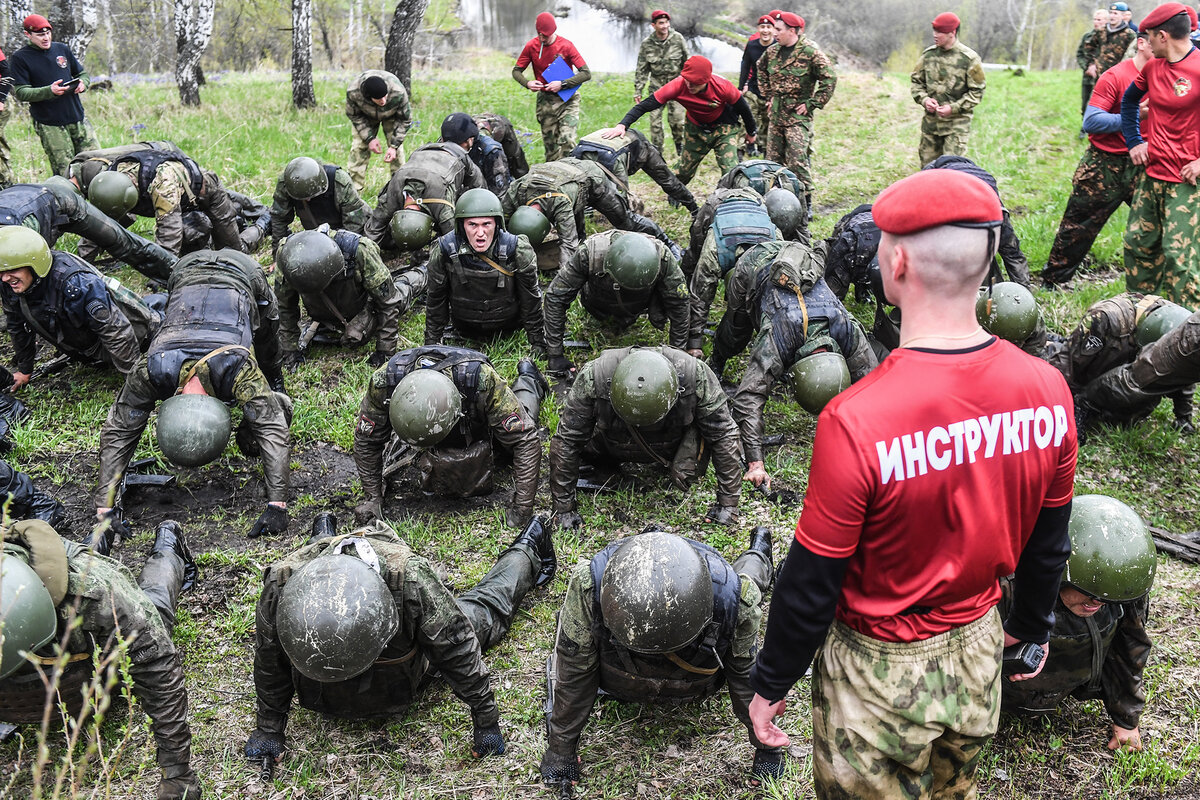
(303,95)
(397,58)
(80,36)
(193,30)
(18,10)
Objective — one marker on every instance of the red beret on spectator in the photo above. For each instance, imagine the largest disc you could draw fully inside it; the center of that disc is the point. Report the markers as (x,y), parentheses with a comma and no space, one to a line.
(658,12)
(1163,13)
(35,23)
(791,20)
(936,197)
(774,13)
(946,22)
(545,23)
(696,69)
(766,19)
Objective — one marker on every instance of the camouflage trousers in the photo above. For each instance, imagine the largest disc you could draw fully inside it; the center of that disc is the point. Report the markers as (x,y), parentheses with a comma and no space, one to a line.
(62,142)
(791,146)
(360,156)
(761,108)
(675,118)
(492,604)
(952,143)
(905,719)
(1089,83)
(697,142)
(1162,242)
(560,124)
(1102,182)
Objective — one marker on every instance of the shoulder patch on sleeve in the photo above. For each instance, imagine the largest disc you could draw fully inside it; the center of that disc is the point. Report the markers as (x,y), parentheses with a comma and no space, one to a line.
(366,425)
(513,423)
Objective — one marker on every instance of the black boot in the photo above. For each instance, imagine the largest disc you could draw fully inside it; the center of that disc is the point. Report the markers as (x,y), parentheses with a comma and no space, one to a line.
(760,542)
(324,526)
(169,539)
(526,367)
(536,536)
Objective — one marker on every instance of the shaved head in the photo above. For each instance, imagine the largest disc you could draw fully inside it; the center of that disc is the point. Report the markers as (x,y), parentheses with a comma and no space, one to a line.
(949,261)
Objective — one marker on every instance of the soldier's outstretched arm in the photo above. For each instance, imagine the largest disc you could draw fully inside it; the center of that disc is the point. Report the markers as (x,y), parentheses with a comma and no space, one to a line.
(23,338)
(721,432)
(437,298)
(576,422)
(576,669)
(703,290)
(567,282)
(860,358)
(371,435)
(529,298)
(673,292)
(1121,674)
(283,211)
(273,687)
(763,370)
(378,282)
(119,435)
(654,165)
(289,314)
(354,210)
(563,217)
(105,320)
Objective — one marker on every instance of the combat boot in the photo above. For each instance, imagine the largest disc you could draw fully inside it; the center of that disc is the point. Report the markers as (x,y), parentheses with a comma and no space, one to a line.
(324,526)
(536,536)
(526,367)
(760,542)
(169,539)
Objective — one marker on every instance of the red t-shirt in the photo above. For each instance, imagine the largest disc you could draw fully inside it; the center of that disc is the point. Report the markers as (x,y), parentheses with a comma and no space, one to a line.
(929,474)
(1107,97)
(704,108)
(534,52)
(1174,93)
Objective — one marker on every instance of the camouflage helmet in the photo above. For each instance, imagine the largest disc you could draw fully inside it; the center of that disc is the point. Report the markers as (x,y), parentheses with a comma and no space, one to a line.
(113,193)
(27,618)
(193,429)
(335,616)
(645,387)
(24,247)
(310,260)
(531,222)
(1007,310)
(304,178)
(632,260)
(1159,322)
(785,210)
(425,407)
(656,593)
(1112,552)
(412,229)
(817,379)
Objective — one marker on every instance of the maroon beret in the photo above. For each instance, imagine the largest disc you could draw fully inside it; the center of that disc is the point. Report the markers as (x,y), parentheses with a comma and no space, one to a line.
(545,24)
(791,20)
(658,12)
(936,197)
(946,22)
(36,23)
(766,19)
(1161,14)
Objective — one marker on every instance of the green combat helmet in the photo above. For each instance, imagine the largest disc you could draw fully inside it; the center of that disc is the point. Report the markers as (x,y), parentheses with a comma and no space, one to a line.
(112,193)
(784,209)
(656,594)
(193,429)
(531,222)
(479,203)
(425,407)
(24,247)
(644,387)
(304,178)
(1112,553)
(1007,310)
(60,185)
(310,260)
(334,618)
(411,229)
(632,260)
(817,379)
(27,619)
(1159,322)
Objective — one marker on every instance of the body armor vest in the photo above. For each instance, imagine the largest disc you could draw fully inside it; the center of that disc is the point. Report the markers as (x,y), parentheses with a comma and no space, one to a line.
(322,208)
(601,295)
(483,300)
(148,162)
(200,319)
(439,166)
(762,176)
(44,308)
(664,436)
(737,223)
(26,200)
(787,316)
(463,366)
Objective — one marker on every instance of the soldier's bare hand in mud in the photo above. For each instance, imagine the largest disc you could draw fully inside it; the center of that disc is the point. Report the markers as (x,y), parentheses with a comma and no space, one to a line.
(756,474)
(368,510)
(19,380)
(1125,739)
(568,520)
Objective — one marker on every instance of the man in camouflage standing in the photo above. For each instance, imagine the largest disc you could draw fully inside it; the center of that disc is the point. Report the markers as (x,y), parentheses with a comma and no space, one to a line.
(559,118)
(376,99)
(948,82)
(797,79)
(660,59)
(1085,55)
(1111,42)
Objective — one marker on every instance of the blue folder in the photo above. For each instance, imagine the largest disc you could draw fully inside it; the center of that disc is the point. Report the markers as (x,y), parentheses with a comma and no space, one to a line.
(560,70)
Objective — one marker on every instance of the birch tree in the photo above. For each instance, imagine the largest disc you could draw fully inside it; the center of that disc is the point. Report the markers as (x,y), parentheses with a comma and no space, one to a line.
(397,58)
(193,31)
(303,95)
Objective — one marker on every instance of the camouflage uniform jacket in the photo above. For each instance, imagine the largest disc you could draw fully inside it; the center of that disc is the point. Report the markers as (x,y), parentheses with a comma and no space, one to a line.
(171,193)
(365,117)
(564,189)
(365,288)
(1105,338)
(805,77)
(589,414)
(1085,54)
(434,176)
(434,635)
(1100,657)
(579,670)
(1109,47)
(629,154)
(659,60)
(585,274)
(953,76)
(340,207)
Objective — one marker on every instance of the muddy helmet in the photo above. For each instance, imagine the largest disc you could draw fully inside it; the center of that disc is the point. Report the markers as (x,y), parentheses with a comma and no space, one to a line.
(425,407)
(1007,310)
(24,247)
(785,210)
(1112,552)
(61,186)
(304,178)
(632,260)
(27,618)
(817,379)
(335,616)
(531,222)
(193,429)
(113,193)
(1159,322)
(411,229)
(645,387)
(310,260)
(656,593)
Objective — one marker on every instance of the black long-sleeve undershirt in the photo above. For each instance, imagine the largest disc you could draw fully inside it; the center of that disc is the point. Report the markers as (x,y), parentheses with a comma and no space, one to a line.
(739,109)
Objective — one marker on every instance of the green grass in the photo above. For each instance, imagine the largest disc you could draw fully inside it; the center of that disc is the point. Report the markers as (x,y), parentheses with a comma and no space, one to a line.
(246,131)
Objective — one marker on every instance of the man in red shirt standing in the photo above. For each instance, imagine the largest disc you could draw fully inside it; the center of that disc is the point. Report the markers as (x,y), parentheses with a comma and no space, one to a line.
(1162,246)
(559,118)
(929,482)
(712,105)
(1105,176)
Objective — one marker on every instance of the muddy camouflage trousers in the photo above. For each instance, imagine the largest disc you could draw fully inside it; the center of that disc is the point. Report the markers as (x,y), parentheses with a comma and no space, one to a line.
(1162,242)
(905,720)
(697,142)
(1102,182)
(560,124)
(63,142)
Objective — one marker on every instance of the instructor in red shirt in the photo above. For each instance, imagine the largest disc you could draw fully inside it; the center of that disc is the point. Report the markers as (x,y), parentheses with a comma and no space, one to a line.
(712,105)
(559,118)
(930,480)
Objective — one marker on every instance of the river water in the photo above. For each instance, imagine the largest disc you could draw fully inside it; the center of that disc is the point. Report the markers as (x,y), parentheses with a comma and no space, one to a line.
(606,42)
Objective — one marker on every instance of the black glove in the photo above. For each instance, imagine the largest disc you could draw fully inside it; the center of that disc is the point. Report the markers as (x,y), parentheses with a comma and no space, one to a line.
(538,350)
(488,742)
(721,515)
(767,764)
(272,520)
(275,380)
(378,359)
(516,517)
(368,510)
(1184,426)
(110,529)
(568,520)
(559,365)
(292,359)
(186,787)
(557,768)
(262,744)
